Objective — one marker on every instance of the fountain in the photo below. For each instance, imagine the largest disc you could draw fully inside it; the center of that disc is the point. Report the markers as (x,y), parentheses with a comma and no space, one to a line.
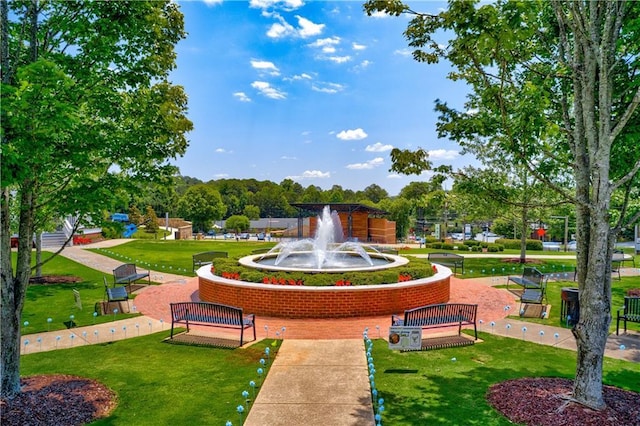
(327,253)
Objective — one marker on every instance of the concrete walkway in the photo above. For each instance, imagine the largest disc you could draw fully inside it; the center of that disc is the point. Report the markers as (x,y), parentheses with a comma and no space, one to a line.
(315,382)
(320,374)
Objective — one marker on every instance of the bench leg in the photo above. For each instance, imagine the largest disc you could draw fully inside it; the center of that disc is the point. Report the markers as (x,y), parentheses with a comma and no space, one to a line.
(241,335)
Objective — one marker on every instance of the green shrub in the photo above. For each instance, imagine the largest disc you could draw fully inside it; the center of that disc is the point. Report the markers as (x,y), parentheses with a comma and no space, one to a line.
(436,245)
(447,246)
(471,243)
(111,230)
(416,268)
(493,248)
(476,248)
(515,244)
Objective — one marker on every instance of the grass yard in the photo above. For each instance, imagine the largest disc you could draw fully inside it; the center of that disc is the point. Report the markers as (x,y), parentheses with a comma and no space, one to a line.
(554,289)
(159,383)
(56,301)
(175,256)
(448,386)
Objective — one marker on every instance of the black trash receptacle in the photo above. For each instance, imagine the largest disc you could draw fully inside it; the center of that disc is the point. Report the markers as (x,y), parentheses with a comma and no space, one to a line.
(570,306)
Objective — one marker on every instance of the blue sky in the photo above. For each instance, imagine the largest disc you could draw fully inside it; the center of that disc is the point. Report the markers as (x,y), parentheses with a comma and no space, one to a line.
(313,91)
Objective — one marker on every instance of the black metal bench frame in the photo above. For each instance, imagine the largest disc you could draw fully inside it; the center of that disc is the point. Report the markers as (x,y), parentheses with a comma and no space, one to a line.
(211,314)
(206,258)
(448,259)
(439,316)
(127,274)
(533,284)
(629,312)
(115,294)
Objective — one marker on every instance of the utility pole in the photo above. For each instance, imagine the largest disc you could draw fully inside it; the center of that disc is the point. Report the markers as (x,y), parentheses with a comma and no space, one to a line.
(566,230)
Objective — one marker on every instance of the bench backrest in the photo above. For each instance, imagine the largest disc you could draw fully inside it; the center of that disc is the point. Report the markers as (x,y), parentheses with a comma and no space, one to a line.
(206,312)
(125,270)
(631,305)
(533,275)
(445,256)
(444,313)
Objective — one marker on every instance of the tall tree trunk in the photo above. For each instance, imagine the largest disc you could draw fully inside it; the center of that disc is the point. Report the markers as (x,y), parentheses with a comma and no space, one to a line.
(14,290)
(38,272)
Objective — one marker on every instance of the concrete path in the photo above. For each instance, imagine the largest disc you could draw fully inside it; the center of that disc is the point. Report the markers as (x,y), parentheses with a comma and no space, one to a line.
(315,382)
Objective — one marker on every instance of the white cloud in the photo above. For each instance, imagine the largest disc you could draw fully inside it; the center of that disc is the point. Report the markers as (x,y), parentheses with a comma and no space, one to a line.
(378,147)
(323,43)
(380,15)
(443,154)
(303,76)
(330,88)
(378,161)
(352,135)
(281,4)
(267,90)
(223,151)
(221,175)
(394,176)
(339,59)
(403,52)
(357,46)
(242,97)
(284,157)
(362,65)
(308,28)
(279,30)
(212,2)
(265,66)
(311,174)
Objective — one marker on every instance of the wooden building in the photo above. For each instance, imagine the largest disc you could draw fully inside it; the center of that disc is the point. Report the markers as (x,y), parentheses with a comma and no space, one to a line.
(359,222)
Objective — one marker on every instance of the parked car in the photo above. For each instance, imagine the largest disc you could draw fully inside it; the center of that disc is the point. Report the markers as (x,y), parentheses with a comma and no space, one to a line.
(229,236)
(572,245)
(260,236)
(244,236)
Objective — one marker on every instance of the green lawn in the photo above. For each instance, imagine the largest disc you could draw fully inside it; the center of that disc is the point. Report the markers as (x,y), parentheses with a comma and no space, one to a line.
(174,256)
(448,386)
(554,289)
(159,383)
(56,301)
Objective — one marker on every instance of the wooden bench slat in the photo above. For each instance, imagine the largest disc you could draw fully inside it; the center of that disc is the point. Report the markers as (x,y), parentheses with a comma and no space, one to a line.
(211,314)
(439,316)
(630,312)
(128,273)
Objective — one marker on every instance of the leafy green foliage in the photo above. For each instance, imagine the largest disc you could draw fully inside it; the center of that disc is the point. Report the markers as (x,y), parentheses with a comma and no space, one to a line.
(201,204)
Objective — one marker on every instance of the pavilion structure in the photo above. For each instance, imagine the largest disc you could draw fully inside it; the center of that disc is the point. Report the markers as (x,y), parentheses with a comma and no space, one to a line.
(359,222)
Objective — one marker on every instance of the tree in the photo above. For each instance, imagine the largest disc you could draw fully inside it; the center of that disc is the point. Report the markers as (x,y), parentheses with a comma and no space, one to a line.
(201,204)
(150,220)
(556,88)
(238,223)
(375,193)
(87,111)
(135,215)
(252,212)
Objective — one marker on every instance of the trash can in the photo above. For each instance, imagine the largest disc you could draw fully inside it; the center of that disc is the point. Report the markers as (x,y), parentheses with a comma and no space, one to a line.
(569,306)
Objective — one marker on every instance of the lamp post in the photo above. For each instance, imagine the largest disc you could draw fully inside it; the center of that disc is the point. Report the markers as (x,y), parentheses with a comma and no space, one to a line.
(566,229)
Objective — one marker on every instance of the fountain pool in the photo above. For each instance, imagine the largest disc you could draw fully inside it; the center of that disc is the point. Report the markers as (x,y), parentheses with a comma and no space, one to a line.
(326,253)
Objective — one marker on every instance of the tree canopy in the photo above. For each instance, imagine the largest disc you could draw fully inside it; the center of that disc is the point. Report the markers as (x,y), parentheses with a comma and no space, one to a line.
(88,113)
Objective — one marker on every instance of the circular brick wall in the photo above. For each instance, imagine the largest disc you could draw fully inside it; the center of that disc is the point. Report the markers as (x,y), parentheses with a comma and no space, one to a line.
(324,302)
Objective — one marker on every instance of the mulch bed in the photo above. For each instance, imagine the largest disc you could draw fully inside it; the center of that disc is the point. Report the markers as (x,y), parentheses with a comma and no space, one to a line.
(60,400)
(544,402)
(54,279)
